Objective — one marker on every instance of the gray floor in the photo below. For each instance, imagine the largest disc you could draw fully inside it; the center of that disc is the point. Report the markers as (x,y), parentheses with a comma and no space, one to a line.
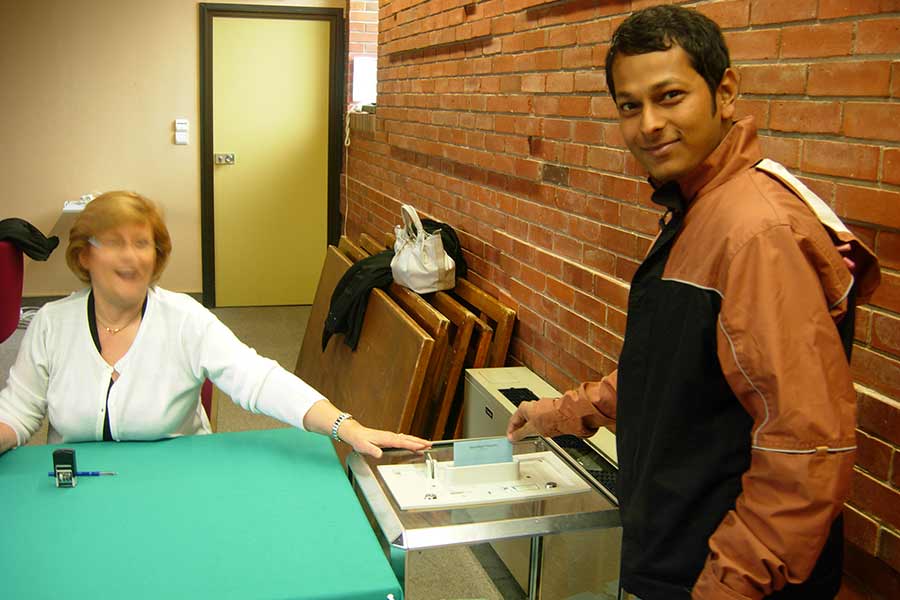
(277,332)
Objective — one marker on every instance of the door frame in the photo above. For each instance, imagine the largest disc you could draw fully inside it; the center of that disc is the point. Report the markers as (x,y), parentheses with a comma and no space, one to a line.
(337,51)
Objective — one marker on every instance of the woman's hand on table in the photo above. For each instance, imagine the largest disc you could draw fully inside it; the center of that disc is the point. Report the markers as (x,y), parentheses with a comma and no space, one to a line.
(370,441)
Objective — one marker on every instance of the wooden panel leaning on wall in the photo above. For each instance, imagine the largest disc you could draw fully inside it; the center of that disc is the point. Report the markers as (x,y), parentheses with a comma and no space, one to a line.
(472,353)
(381,381)
(469,337)
(433,323)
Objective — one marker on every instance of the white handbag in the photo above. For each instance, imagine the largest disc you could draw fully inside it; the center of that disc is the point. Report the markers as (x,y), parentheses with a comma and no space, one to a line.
(420,262)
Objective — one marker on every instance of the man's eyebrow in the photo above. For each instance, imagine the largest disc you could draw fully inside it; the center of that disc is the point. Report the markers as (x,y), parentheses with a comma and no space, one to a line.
(655,87)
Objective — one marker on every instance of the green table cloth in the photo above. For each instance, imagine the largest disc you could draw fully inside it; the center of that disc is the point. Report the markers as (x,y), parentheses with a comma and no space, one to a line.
(256,514)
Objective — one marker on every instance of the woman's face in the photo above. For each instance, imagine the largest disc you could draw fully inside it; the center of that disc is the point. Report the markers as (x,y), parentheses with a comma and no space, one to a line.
(121,261)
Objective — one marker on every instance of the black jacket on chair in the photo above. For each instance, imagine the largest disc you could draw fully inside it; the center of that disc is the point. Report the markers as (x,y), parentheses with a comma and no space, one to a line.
(28,238)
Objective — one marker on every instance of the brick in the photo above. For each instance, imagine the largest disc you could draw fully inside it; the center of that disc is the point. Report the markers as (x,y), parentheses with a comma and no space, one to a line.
(773,79)
(567,247)
(575,106)
(875,498)
(599,259)
(833,9)
(561,292)
(573,323)
(626,268)
(888,293)
(758,109)
(895,78)
(878,415)
(860,529)
(593,32)
(805,117)
(503,24)
(834,39)
(856,78)
(588,132)
(560,129)
(778,11)
(639,219)
(584,229)
(878,36)
(856,161)
(889,548)
(869,205)
(610,291)
(728,14)
(590,307)
(560,83)
(890,172)
(590,81)
(886,333)
(781,149)
(895,470)
(577,276)
(753,45)
(562,36)
(887,248)
(873,455)
(605,159)
(872,120)
(607,342)
(604,211)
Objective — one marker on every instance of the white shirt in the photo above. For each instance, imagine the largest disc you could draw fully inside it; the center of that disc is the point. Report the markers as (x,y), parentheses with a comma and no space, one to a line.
(59,373)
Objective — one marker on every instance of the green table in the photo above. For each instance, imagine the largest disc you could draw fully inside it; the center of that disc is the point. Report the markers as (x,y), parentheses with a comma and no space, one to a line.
(257,514)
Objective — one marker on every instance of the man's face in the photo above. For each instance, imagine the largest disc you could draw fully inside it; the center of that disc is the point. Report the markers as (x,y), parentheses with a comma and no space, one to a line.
(666,112)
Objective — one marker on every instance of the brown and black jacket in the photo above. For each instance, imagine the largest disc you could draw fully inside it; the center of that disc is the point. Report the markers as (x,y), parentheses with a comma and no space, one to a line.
(734,402)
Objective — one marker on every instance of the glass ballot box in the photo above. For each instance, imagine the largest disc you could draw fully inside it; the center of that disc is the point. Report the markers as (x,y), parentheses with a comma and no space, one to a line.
(536,526)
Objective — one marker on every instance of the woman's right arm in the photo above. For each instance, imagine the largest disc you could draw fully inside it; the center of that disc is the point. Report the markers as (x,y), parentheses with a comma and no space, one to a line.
(23,402)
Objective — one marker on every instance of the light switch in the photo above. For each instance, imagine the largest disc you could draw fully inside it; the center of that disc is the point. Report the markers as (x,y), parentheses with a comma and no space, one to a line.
(181,124)
(181,138)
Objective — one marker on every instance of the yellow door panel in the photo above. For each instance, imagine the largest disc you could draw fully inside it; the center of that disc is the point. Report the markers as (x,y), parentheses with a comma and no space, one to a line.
(270,109)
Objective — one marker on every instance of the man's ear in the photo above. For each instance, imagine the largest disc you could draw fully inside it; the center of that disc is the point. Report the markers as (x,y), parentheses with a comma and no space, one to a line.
(726,94)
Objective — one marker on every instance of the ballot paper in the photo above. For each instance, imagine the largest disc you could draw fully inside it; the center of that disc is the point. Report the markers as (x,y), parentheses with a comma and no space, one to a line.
(482,451)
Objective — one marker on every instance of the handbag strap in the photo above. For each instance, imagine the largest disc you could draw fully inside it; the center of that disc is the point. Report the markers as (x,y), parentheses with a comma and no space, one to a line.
(411,220)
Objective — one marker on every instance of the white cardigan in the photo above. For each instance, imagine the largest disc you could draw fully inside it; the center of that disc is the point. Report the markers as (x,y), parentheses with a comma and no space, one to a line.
(59,372)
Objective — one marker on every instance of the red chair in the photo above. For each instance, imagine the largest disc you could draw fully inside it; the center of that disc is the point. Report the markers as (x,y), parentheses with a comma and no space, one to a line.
(209,404)
(11,277)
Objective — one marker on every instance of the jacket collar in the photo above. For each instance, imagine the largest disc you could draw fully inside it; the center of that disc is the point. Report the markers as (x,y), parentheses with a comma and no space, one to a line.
(738,151)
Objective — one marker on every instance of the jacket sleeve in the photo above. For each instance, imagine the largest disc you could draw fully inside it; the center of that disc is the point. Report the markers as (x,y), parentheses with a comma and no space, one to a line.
(255,383)
(23,402)
(782,356)
(578,412)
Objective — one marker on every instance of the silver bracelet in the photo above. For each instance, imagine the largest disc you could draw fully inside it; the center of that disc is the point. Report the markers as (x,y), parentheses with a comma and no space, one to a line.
(337,424)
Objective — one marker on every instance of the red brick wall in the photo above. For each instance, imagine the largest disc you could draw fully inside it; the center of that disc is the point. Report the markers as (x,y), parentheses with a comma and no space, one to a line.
(494,117)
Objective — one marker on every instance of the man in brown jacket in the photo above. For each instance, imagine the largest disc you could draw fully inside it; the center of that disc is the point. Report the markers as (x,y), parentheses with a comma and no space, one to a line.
(733,398)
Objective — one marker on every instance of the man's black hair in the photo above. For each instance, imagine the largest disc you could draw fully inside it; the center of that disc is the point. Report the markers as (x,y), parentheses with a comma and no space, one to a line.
(658,28)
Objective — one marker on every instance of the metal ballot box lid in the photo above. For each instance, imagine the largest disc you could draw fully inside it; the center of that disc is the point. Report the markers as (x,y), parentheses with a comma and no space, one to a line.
(585,508)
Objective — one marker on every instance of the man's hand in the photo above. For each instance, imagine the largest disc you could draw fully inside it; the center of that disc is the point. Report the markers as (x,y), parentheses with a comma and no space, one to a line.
(845,250)
(520,425)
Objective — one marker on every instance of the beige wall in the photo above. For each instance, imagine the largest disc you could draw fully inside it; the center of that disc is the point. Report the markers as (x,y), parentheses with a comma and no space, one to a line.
(89,90)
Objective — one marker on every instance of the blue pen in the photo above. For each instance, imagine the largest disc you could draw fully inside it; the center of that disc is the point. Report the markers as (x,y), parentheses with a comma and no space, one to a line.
(87,473)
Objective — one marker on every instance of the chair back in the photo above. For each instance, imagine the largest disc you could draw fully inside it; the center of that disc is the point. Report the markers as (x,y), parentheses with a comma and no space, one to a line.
(210,405)
(11,277)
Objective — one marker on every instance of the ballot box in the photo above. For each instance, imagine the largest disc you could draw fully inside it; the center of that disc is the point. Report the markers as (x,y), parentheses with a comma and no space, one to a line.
(441,514)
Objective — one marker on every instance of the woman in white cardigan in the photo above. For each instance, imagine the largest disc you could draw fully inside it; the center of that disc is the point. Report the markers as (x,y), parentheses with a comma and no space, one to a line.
(125,359)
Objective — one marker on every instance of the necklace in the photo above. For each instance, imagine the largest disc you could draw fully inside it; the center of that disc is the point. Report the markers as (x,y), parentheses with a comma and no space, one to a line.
(115,330)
